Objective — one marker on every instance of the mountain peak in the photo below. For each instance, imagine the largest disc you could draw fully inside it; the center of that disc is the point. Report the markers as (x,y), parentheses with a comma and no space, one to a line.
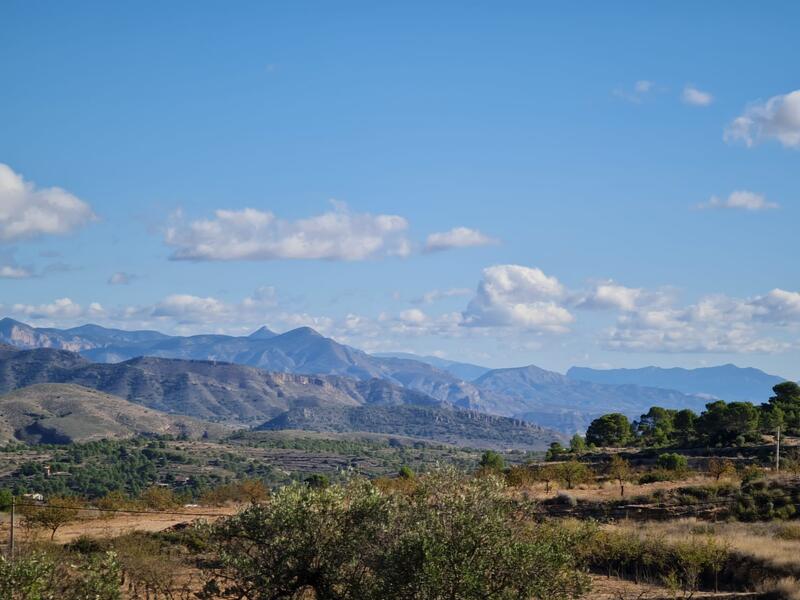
(262,333)
(302,332)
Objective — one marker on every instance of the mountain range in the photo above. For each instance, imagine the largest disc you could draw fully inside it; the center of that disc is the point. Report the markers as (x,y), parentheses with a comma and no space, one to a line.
(729,382)
(564,402)
(229,394)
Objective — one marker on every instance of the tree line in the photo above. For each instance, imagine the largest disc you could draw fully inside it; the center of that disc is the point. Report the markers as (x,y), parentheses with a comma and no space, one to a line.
(720,424)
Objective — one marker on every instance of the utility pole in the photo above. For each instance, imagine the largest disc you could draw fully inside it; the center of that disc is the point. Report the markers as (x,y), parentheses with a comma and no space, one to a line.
(11,535)
(778,451)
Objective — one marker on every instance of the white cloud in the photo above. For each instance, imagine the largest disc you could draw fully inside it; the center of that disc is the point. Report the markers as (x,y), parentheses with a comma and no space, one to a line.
(14,272)
(436,295)
(251,234)
(695,97)
(610,295)
(186,308)
(27,211)
(121,278)
(518,296)
(778,306)
(778,118)
(638,93)
(740,200)
(458,237)
(713,324)
(62,308)
(413,316)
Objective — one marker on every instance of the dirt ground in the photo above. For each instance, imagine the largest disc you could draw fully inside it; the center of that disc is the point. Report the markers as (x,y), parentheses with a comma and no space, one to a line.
(115,526)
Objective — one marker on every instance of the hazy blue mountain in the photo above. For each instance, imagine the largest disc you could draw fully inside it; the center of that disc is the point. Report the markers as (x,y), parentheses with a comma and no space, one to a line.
(239,394)
(300,350)
(727,382)
(462,370)
(539,396)
(554,400)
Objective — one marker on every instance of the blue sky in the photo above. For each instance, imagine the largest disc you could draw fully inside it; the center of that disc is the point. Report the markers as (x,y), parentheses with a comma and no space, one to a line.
(605,185)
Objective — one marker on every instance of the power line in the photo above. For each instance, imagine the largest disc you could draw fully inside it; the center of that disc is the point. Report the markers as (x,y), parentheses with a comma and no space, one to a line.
(122,510)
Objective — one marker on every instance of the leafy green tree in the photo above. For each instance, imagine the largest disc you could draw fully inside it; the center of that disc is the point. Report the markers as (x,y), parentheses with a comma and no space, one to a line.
(724,423)
(787,399)
(620,470)
(609,430)
(573,473)
(577,445)
(5,499)
(684,424)
(656,426)
(492,461)
(58,511)
(555,451)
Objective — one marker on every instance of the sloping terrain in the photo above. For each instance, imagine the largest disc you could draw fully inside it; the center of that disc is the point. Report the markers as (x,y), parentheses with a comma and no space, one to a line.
(203,389)
(728,382)
(64,413)
(444,424)
(540,396)
(553,400)
(225,392)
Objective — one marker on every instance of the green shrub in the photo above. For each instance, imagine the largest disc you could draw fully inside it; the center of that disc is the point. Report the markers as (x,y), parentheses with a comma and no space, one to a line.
(451,537)
(671,461)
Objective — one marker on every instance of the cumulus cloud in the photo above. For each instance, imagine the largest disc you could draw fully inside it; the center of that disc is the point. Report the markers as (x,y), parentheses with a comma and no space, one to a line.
(458,237)
(610,295)
(518,296)
(695,97)
(60,309)
(14,272)
(251,234)
(715,323)
(779,306)
(121,278)
(27,211)
(739,200)
(778,118)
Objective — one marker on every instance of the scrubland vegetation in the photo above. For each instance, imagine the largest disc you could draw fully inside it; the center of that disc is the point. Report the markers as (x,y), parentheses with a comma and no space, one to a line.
(668,512)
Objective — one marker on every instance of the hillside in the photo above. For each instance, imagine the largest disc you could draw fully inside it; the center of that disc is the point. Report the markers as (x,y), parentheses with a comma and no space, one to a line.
(540,396)
(238,394)
(201,389)
(553,400)
(727,382)
(448,425)
(63,413)
(300,350)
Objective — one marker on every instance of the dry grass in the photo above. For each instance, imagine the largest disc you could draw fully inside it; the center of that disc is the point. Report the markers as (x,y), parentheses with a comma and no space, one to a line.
(608,491)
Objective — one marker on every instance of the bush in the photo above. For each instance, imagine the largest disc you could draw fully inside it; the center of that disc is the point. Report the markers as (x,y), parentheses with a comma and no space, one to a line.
(671,461)
(158,498)
(451,537)
(41,576)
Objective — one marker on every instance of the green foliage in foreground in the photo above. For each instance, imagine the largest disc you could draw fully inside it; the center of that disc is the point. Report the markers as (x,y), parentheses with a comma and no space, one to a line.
(449,537)
(42,576)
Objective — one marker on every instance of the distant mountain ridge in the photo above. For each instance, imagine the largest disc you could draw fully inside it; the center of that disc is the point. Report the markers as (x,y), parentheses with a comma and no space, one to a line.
(554,400)
(727,382)
(243,395)
(539,396)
